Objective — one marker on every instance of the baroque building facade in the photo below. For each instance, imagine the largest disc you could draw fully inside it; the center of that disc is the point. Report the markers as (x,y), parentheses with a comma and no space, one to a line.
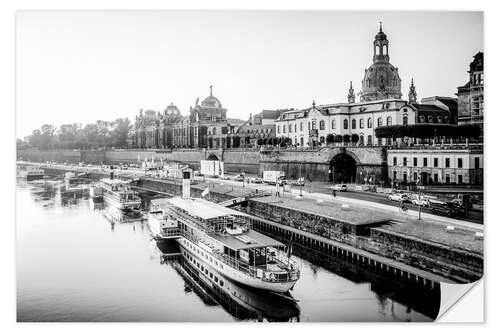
(471,95)
(380,105)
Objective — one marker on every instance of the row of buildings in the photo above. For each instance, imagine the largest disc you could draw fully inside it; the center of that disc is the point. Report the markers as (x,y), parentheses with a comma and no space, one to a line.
(380,104)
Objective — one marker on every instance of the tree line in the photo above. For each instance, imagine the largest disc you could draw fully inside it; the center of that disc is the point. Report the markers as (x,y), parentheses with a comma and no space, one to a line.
(101,134)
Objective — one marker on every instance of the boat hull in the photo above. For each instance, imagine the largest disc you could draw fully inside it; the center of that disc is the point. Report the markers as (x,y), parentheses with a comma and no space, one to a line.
(230,272)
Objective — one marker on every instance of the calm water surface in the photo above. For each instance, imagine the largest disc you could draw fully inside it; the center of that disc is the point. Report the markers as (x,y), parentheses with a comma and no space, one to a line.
(74,264)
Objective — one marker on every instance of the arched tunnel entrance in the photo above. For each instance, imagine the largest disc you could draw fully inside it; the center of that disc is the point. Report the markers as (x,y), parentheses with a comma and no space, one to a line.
(343,169)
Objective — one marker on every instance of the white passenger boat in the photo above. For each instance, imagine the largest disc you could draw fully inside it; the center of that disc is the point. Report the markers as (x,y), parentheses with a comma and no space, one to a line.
(30,172)
(219,238)
(118,194)
(162,226)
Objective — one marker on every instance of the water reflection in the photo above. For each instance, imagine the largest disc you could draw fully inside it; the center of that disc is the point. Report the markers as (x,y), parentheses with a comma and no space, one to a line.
(240,301)
(124,275)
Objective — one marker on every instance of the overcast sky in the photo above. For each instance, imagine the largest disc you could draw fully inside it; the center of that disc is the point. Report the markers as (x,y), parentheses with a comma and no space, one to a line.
(80,66)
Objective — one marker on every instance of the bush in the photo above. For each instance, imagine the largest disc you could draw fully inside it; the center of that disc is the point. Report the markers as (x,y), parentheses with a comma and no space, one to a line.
(329,138)
(337,138)
(346,138)
(354,138)
(424,131)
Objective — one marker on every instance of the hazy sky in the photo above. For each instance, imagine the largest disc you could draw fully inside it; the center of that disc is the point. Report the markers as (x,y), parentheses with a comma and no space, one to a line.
(80,66)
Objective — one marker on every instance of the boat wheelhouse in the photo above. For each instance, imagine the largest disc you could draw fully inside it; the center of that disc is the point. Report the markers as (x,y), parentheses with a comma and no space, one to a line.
(223,239)
(118,194)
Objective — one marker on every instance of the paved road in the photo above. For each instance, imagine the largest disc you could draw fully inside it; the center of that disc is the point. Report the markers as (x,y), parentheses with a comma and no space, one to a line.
(323,188)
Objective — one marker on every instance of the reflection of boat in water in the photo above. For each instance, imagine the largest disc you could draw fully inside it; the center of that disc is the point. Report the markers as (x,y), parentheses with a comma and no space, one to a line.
(30,172)
(117,193)
(240,301)
(220,238)
(113,215)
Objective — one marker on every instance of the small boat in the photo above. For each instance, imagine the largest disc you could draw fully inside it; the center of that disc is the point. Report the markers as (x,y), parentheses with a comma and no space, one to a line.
(30,172)
(161,225)
(118,194)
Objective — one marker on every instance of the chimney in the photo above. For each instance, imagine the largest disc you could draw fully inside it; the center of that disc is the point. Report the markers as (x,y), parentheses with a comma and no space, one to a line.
(186,185)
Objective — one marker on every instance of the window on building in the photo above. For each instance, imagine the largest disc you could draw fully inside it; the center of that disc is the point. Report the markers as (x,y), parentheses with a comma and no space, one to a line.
(295,140)
(289,128)
(321,124)
(389,121)
(361,123)
(447,178)
(436,164)
(278,129)
(459,163)
(435,178)
(284,128)
(361,140)
(308,125)
(322,139)
(405,120)
(353,124)
(295,128)
(313,124)
(379,141)
(394,175)
(301,126)
(394,161)
(447,162)
(404,161)
(302,142)
(425,161)
(334,124)
(346,124)
(369,123)
(369,140)
(415,176)
(379,121)
(460,179)
(405,177)
(476,162)
(414,161)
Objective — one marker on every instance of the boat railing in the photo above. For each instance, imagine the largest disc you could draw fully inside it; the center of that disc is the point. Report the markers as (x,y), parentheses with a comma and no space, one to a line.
(288,272)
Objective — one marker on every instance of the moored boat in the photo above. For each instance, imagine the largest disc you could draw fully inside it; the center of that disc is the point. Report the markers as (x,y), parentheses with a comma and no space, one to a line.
(30,172)
(118,194)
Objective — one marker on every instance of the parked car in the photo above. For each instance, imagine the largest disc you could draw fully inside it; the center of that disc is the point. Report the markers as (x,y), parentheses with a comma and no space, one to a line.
(256,180)
(225,177)
(340,187)
(239,177)
(299,182)
(398,197)
(443,208)
(420,202)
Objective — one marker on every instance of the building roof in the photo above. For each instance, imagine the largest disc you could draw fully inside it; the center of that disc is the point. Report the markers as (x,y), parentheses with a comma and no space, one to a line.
(429,108)
(203,209)
(248,240)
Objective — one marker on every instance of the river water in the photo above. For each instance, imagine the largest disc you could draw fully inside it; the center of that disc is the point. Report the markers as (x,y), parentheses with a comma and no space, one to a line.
(77,262)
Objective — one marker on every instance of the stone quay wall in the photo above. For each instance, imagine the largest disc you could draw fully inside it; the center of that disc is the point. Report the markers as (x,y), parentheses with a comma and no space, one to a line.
(451,262)
(315,163)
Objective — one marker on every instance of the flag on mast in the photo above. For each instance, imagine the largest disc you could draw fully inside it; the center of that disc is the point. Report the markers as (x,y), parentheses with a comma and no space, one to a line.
(205,192)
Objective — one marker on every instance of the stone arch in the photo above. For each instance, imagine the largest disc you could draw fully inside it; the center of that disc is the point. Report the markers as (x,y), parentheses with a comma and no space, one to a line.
(213,157)
(343,165)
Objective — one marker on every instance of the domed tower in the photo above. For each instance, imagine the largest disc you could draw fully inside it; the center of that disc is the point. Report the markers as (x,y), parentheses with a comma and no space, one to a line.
(381,80)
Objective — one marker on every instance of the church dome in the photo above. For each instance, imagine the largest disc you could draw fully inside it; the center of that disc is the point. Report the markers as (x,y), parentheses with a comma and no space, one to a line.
(381,80)
(211,101)
(172,110)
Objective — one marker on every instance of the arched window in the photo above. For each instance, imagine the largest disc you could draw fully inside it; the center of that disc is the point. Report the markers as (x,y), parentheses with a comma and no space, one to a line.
(214,131)
(353,124)
(313,124)
(322,125)
(379,121)
(430,119)
(369,140)
(334,124)
(369,123)
(289,128)
(278,129)
(361,140)
(295,128)
(322,139)
(301,126)
(389,120)
(284,128)
(361,123)
(422,119)
(346,124)
(440,119)
(405,120)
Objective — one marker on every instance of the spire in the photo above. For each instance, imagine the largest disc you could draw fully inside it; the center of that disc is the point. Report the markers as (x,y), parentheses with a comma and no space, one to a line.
(351,97)
(314,104)
(380,46)
(412,95)
(380,26)
(211,88)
